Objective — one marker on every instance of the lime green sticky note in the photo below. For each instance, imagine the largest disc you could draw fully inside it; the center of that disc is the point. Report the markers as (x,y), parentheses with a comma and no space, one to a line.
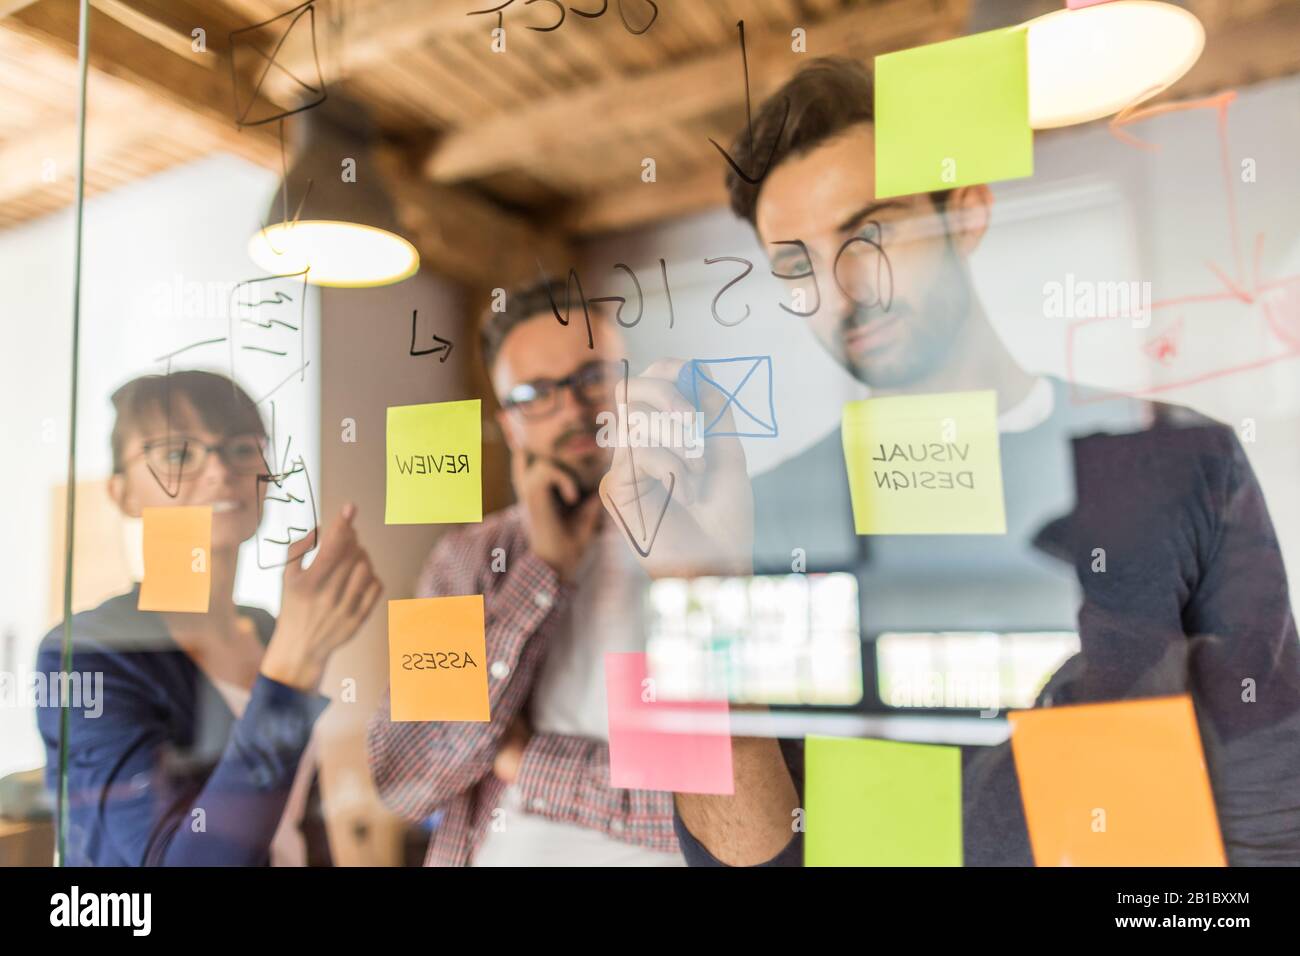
(925,464)
(435,463)
(953,113)
(881,803)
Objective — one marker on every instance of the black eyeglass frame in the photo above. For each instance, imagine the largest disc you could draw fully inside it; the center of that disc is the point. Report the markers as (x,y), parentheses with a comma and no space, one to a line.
(544,399)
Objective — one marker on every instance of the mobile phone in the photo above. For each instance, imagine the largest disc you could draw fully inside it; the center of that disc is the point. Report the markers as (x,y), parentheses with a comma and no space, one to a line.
(565,509)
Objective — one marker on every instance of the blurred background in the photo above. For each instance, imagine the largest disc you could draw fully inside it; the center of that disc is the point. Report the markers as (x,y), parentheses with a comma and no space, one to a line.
(497,165)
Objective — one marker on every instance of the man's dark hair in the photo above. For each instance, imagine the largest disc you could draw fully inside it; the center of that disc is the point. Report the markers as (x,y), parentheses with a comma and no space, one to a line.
(523,304)
(826,97)
(222,406)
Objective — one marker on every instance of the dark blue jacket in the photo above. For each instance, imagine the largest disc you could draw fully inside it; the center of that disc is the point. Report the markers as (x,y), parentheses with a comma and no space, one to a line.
(164,774)
(1194,598)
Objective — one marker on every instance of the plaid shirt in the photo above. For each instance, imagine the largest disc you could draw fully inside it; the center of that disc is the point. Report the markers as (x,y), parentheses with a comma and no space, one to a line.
(420,767)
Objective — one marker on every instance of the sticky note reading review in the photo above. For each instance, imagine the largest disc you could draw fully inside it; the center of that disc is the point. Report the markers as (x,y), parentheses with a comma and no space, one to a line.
(1116,784)
(953,114)
(177,559)
(435,453)
(925,464)
(436,666)
(882,803)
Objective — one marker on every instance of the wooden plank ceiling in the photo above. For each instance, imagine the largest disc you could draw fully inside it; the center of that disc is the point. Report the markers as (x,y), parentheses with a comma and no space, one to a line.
(523,150)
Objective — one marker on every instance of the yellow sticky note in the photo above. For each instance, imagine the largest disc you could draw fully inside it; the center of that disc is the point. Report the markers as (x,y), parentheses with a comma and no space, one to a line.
(177,559)
(436,659)
(953,113)
(435,457)
(925,464)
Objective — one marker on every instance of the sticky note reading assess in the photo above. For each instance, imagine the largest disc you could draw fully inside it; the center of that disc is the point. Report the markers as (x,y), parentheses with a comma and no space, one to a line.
(1116,784)
(663,745)
(953,114)
(881,803)
(435,454)
(925,464)
(436,659)
(177,559)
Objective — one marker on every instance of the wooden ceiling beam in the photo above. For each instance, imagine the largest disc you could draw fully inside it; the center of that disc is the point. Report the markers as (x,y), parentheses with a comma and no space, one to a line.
(166,76)
(646,203)
(459,234)
(696,88)
(13,6)
(382,31)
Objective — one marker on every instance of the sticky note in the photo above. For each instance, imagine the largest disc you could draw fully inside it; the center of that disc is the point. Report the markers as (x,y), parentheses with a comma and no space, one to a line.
(925,464)
(437,667)
(177,559)
(680,746)
(953,113)
(435,457)
(881,803)
(1116,784)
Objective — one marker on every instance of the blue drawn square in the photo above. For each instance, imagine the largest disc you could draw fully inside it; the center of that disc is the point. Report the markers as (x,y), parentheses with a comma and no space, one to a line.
(745,386)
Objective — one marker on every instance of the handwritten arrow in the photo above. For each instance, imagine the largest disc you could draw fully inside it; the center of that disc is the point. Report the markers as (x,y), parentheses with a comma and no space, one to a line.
(749,125)
(444,348)
(1237,285)
(631,464)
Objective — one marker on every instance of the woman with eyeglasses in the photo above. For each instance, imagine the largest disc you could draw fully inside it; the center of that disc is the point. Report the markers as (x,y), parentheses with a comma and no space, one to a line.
(196,750)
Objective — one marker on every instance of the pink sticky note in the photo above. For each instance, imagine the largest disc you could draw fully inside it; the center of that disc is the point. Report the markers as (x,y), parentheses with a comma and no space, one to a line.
(663,745)
(1080,4)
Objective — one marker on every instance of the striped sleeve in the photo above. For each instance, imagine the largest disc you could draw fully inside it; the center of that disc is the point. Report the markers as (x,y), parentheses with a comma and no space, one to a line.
(419,765)
(566,779)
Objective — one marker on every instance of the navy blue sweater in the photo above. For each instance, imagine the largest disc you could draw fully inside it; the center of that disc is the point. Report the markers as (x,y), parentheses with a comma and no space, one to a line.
(165,774)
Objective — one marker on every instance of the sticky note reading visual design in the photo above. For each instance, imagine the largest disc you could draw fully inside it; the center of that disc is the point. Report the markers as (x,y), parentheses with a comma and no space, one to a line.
(1116,784)
(435,454)
(680,746)
(925,464)
(953,114)
(881,803)
(437,668)
(177,559)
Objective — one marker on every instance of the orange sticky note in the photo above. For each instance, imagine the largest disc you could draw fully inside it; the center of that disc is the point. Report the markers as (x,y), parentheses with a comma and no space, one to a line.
(177,559)
(437,667)
(1116,784)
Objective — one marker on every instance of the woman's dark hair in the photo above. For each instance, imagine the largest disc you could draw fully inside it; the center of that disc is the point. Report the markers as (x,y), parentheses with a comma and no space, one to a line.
(826,97)
(222,406)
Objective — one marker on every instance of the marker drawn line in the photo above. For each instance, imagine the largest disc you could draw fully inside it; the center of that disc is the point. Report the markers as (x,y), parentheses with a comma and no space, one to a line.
(301,368)
(171,355)
(270,322)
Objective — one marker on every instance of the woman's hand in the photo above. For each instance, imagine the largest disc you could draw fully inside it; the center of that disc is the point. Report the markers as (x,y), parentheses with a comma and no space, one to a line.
(323,605)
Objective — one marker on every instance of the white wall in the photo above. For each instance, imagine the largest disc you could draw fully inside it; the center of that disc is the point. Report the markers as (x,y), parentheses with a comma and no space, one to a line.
(185,230)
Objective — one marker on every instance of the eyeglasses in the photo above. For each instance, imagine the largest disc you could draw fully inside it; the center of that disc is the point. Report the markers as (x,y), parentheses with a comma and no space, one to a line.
(591,384)
(173,460)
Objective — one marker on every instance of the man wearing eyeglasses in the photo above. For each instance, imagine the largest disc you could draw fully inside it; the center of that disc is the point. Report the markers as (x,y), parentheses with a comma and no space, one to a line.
(531,787)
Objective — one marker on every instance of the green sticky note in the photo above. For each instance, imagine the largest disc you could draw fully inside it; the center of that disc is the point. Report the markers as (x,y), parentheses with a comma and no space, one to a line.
(953,113)
(435,459)
(881,803)
(925,464)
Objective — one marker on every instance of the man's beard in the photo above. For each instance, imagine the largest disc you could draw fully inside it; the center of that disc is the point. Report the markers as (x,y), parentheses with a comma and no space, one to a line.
(586,468)
(927,335)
